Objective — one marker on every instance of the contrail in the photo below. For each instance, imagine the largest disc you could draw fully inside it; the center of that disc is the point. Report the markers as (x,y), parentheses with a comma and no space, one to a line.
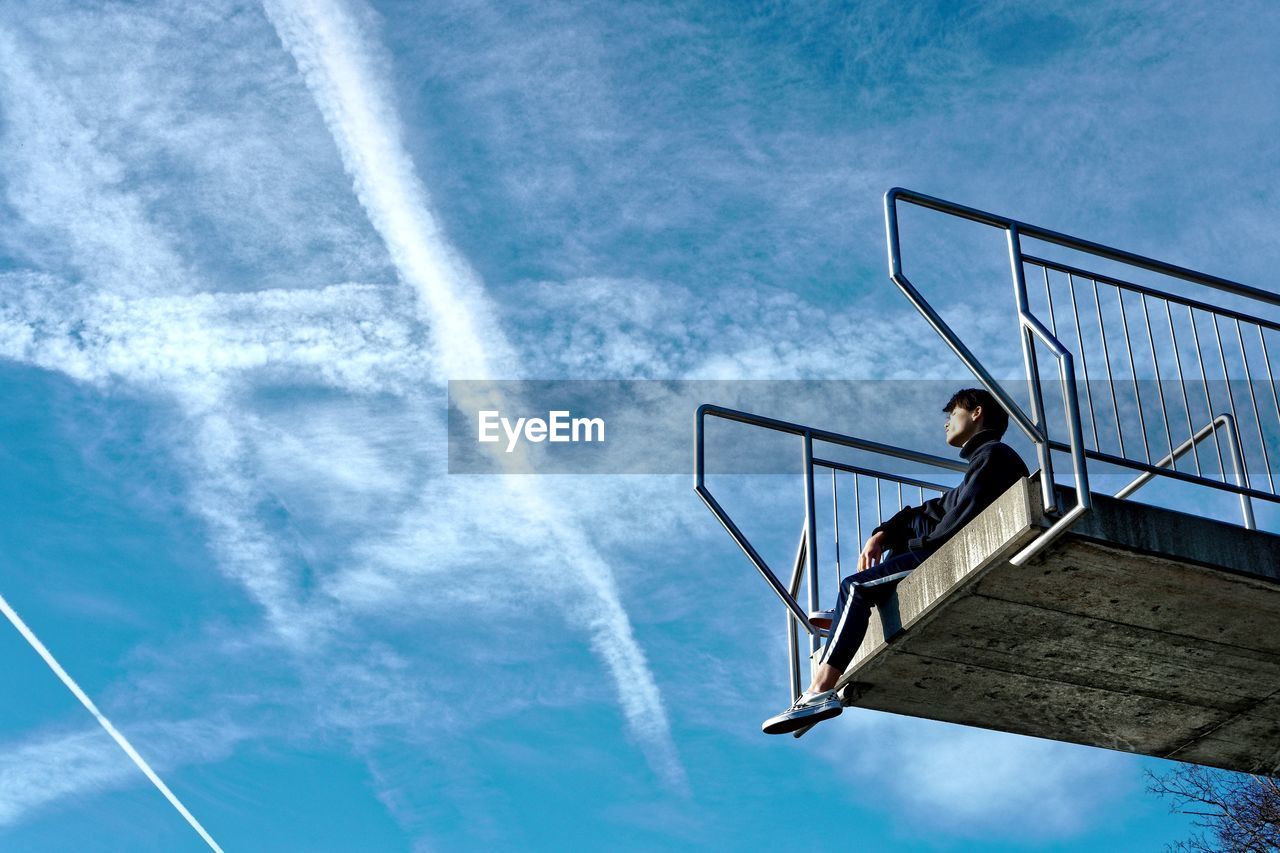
(120,739)
(338,64)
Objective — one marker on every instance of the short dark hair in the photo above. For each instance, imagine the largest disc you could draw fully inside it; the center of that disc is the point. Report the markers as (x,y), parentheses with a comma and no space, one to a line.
(994,417)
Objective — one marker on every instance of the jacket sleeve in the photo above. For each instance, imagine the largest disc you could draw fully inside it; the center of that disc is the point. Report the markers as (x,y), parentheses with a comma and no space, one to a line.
(986,480)
(900,527)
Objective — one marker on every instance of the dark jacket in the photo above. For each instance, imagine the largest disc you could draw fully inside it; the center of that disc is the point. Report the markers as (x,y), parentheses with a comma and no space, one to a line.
(993,467)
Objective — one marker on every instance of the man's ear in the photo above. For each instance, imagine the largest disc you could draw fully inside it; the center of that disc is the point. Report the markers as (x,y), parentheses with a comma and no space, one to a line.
(977,412)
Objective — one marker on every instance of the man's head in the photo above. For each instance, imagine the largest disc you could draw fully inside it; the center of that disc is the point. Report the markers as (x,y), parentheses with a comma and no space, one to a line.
(970,410)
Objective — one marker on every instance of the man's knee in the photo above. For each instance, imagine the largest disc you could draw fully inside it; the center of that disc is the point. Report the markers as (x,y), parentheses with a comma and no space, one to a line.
(852,585)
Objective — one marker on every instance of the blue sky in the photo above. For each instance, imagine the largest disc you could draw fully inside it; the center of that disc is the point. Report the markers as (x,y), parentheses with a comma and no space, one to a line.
(243,248)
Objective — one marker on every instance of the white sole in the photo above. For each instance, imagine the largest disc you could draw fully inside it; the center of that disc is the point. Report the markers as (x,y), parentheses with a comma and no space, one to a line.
(802,718)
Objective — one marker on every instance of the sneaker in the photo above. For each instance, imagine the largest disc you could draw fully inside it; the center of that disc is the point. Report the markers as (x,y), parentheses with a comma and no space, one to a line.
(808,709)
(822,619)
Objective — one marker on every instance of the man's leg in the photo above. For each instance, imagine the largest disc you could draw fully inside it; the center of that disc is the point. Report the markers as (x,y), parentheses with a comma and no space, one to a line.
(853,613)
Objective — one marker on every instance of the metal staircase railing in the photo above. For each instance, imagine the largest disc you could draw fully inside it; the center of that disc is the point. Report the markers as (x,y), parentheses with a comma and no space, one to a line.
(807,549)
(1180,355)
(1122,391)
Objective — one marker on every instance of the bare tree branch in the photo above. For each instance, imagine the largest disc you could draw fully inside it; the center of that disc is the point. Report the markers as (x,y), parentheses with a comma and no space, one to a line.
(1245,815)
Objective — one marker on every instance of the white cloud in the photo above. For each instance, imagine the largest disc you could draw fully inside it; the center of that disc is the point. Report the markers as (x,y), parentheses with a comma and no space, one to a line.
(600,328)
(357,337)
(342,68)
(75,199)
(975,783)
(214,152)
(132,258)
(208,350)
(46,767)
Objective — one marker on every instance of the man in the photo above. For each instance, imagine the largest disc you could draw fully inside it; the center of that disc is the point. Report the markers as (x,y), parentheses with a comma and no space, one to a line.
(975,424)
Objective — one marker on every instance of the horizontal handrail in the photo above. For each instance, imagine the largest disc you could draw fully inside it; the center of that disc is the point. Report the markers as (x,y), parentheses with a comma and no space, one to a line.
(1171,473)
(1111,253)
(826,436)
(870,472)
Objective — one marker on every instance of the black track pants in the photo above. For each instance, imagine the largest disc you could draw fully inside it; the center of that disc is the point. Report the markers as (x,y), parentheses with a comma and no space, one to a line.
(858,593)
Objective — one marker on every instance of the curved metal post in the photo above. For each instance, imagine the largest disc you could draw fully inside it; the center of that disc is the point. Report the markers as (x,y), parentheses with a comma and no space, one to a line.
(1067,375)
(1228,423)
(1241,473)
(1044,456)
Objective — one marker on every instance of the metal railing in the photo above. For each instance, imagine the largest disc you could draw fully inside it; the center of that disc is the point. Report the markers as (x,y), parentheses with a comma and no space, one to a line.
(807,549)
(1227,424)
(1181,348)
(1034,425)
(1152,332)
(1184,352)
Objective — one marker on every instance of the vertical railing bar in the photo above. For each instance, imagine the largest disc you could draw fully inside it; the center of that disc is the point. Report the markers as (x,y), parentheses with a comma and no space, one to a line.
(879,509)
(1208,399)
(1155,362)
(899,506)
(1084,361)
(1266,360)
(793,656)
(835,525)
(1106,358)
(1182,384)
(1048,295)
(1137,391)
(1253,397)
(1237,464)
(857,513)
(811,521)
(793,644)
(1231,397)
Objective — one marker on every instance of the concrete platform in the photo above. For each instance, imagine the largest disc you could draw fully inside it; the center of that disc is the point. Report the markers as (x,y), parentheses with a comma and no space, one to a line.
(1143,630)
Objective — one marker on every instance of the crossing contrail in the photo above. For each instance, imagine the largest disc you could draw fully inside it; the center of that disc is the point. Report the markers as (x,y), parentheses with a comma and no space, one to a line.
(338,63)
(120,739)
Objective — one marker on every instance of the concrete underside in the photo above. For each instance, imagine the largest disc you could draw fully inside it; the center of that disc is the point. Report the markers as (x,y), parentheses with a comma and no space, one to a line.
(1143,630)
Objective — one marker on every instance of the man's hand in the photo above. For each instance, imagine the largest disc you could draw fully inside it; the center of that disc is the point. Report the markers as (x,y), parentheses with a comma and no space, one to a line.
(871,552)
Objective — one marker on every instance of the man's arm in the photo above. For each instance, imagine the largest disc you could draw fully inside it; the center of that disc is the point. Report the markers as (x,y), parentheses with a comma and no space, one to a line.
(896,532)
(900,526)
(987,479)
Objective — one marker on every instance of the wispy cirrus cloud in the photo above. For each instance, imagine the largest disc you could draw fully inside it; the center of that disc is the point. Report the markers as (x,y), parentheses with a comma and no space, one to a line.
(47,766)
(206,349)
(121,326)
(340,63)
(647,192)
(75,203)
(357,337)
(967,782)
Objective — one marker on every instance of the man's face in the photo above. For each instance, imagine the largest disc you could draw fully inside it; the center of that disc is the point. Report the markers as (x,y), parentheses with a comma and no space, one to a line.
(962,424)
